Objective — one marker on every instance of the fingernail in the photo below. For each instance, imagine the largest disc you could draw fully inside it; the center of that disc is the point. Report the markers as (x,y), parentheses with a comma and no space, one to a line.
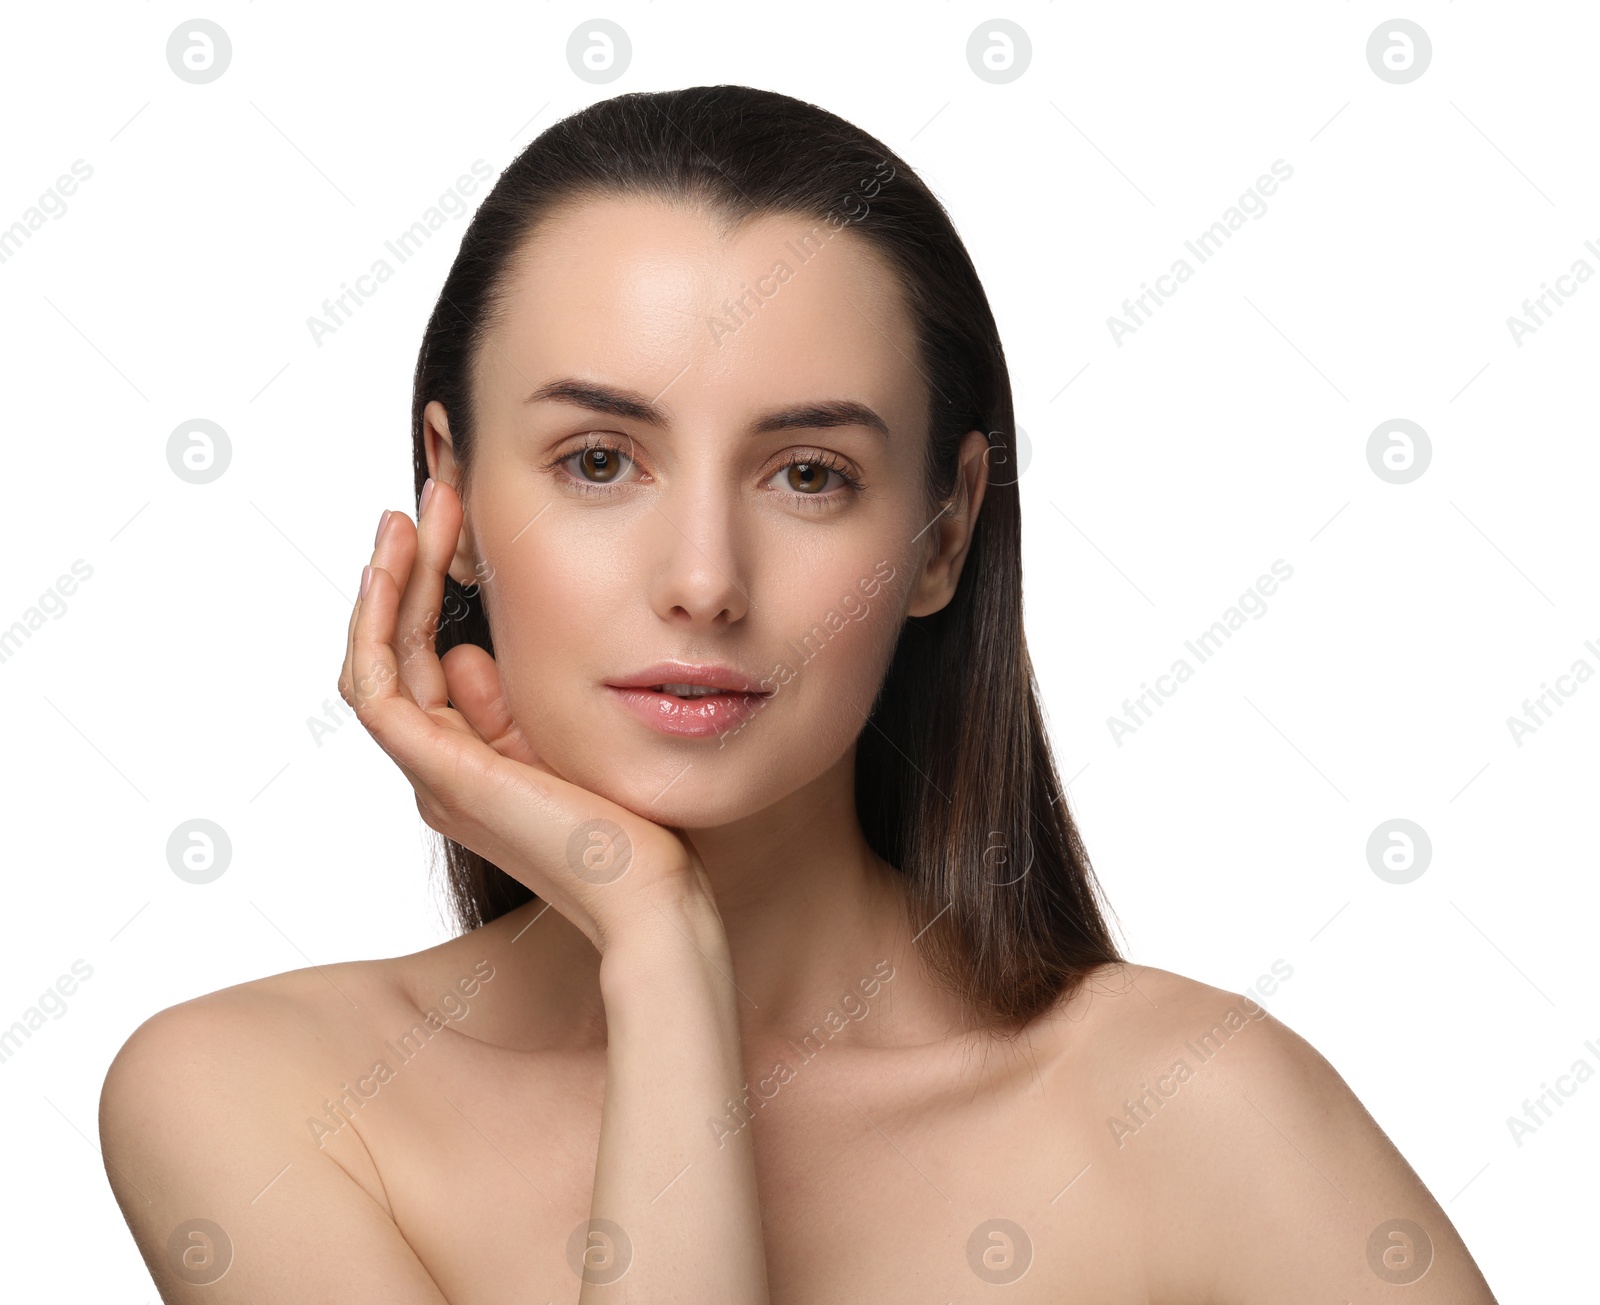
(366,578)
(382,522)
(427,493)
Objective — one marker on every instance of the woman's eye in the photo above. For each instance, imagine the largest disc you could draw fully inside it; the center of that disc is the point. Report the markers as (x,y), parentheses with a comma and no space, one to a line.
(594,465)
(598,466)
(809,478)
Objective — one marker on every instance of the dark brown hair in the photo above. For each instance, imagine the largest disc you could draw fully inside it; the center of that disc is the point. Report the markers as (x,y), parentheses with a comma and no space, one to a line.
(955,782)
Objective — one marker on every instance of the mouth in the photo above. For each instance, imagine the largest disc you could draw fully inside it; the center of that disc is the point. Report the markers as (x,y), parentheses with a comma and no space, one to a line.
(692,680)
(689,690)
(687,709)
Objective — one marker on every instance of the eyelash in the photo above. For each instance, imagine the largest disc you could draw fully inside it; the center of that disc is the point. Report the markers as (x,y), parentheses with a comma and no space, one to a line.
(806,457)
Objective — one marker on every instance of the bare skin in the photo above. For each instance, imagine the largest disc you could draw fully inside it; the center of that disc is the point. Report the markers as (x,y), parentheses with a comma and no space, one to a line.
(540,1110)
(462,1177)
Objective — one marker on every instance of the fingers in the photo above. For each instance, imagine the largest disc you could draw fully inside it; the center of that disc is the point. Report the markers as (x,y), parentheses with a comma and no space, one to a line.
(419,560)
(476,692)
(373,679)
(373,670)
(345,683)
(478,782)
(347,689)
(477,777)
(371,674)
(424,745)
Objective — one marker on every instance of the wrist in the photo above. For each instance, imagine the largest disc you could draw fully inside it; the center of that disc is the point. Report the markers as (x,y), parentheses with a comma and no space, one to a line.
(673,932)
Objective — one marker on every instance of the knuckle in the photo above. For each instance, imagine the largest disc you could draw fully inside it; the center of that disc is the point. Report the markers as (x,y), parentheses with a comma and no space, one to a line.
(429,816)
(449,808)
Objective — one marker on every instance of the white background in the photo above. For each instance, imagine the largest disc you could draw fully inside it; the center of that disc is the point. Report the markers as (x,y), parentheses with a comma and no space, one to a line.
(1167,473)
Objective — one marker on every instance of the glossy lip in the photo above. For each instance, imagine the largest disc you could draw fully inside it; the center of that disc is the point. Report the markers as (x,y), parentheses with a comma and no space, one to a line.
(695,718)
(705,676)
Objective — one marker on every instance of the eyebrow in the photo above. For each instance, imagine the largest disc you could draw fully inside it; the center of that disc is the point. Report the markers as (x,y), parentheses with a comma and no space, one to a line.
(820,414)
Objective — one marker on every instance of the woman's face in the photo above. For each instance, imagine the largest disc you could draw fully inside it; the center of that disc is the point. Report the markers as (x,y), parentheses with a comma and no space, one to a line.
(678,460)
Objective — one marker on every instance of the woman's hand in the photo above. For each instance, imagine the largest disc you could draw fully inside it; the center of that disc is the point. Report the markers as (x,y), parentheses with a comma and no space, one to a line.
(477,777)
(680,1231)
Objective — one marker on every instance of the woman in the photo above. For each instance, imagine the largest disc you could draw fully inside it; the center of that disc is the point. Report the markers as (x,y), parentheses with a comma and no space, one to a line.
(782,976)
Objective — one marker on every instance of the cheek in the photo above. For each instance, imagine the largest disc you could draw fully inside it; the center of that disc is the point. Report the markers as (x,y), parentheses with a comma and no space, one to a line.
(550,634)
(841,633)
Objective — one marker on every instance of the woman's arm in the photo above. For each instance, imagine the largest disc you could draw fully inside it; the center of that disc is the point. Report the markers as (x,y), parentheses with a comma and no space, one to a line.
(684,1201)
(228,1199)
(673,1217)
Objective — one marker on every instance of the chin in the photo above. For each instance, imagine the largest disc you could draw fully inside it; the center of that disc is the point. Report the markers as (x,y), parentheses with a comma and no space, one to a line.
(704,796)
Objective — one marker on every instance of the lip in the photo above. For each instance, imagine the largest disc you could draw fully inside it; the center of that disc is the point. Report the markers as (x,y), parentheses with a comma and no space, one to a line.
(708,676)
(716,713)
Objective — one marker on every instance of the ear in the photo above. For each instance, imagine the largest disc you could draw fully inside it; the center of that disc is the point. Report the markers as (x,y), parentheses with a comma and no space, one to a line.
(951,535)
(443,467)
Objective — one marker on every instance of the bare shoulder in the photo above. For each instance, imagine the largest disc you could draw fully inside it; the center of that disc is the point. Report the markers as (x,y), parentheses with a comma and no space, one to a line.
(212,1164)
(267,1031)
(1258,1171)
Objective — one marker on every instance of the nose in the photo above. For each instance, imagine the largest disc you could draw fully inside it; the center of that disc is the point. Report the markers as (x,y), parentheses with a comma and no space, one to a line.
(698,574)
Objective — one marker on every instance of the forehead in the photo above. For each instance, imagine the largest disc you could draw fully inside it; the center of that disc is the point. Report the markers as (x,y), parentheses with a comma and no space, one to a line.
(649,294)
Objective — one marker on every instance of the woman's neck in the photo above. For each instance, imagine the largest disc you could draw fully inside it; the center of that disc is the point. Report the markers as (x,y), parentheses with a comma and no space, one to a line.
(811,914)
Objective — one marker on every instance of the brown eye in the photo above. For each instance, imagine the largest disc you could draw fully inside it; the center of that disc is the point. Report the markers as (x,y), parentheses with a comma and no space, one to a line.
(808,477)
(601,465)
